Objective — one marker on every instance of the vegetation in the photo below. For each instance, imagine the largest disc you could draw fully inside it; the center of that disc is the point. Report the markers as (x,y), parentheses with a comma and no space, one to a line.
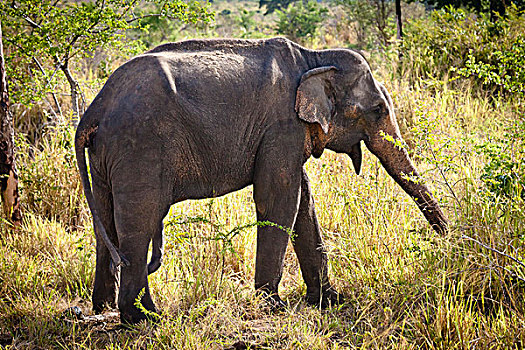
(489,52)
(300,22)
(45,38)
(459,95)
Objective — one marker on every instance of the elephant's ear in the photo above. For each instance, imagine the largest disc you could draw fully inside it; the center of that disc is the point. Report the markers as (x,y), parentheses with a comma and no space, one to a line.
(314,102)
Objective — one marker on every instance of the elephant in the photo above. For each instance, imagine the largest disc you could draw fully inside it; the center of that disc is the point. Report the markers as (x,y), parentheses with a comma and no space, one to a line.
(202,118)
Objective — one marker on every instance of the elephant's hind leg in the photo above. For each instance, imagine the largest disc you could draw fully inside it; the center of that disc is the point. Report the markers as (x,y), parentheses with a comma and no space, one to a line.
(105,285)
(138,215)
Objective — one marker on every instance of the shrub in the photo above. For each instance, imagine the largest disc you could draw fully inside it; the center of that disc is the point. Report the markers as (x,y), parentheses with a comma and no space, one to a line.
(452,43)
(299,22)
(502,71)
(504,172)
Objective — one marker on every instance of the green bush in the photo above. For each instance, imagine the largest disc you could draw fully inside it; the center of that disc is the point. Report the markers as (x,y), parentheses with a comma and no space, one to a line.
(300,21)
(503,71)
(453,44)
(504,171)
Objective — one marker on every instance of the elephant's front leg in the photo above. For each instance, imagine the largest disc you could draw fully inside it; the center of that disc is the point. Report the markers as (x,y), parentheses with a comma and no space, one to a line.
(277,186)
(308,246)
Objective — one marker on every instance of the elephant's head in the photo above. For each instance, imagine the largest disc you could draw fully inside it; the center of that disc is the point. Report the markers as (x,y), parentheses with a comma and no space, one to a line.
(345,105)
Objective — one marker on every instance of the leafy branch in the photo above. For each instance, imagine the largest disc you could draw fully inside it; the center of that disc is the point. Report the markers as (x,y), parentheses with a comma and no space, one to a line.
(46,35)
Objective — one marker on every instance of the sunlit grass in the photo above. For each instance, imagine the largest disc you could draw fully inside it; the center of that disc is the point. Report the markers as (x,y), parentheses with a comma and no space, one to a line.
(405,286)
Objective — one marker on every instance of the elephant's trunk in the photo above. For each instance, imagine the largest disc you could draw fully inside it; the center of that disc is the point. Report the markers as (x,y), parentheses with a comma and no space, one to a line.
(396,161)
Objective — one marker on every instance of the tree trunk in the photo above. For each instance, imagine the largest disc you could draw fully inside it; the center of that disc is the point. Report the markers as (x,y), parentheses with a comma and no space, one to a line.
(8,175)
(74,92)
(399,27)
(398,20)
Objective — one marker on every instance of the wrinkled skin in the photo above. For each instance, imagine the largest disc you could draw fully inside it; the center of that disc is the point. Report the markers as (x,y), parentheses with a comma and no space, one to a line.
(203,118)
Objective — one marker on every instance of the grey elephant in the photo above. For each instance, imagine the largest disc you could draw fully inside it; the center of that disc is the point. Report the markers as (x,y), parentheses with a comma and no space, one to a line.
(202,118)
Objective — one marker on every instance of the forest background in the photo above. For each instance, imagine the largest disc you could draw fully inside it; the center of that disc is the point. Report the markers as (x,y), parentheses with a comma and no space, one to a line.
(457,78)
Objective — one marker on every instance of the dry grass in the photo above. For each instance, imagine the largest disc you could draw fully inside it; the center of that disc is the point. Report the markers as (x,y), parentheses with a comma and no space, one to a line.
(405,286)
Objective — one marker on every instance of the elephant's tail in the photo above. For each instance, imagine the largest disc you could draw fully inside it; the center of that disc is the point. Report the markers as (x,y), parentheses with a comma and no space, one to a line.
(82,141)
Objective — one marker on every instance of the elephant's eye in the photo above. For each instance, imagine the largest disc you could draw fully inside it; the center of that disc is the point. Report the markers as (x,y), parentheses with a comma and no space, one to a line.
(377,109)
(351,110)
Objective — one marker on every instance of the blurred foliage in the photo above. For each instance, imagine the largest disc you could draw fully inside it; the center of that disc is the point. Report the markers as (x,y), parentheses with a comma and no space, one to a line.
(273,5)
(453,44)
(479,6)
(299,22)
(159,21)
(373,21)
(249,27)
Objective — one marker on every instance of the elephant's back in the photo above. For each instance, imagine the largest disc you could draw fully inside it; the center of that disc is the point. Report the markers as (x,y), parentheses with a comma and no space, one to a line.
(211,78)
(207,108)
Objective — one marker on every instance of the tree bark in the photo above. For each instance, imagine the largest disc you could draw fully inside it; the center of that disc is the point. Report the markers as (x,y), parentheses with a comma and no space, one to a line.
(74,92)
(399,23)
(8,174)
(398,20)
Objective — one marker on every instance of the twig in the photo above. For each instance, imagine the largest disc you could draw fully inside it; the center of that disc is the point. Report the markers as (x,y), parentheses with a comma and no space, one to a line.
(47,83)
(492,249)
(515,275)
(443,176)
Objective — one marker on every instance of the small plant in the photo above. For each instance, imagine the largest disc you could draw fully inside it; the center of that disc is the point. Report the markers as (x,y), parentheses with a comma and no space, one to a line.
(504,172)
(248,25)
(221,233)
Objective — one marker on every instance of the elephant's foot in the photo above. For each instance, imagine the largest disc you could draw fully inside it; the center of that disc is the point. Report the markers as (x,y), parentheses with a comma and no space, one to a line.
(104,298)
(272,299)
(325,298)
(99,307)
(130,314)
(133,315)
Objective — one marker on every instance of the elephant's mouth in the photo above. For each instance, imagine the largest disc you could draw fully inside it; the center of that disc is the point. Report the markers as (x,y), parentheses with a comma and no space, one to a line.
(357,157)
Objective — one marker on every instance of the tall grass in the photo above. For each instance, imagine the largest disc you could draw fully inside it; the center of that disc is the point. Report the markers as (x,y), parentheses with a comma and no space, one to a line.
(405,286)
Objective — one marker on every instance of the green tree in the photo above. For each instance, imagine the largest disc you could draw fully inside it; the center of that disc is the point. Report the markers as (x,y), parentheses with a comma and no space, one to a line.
(299,22)
(45,36)
(372,20)
(273,5)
